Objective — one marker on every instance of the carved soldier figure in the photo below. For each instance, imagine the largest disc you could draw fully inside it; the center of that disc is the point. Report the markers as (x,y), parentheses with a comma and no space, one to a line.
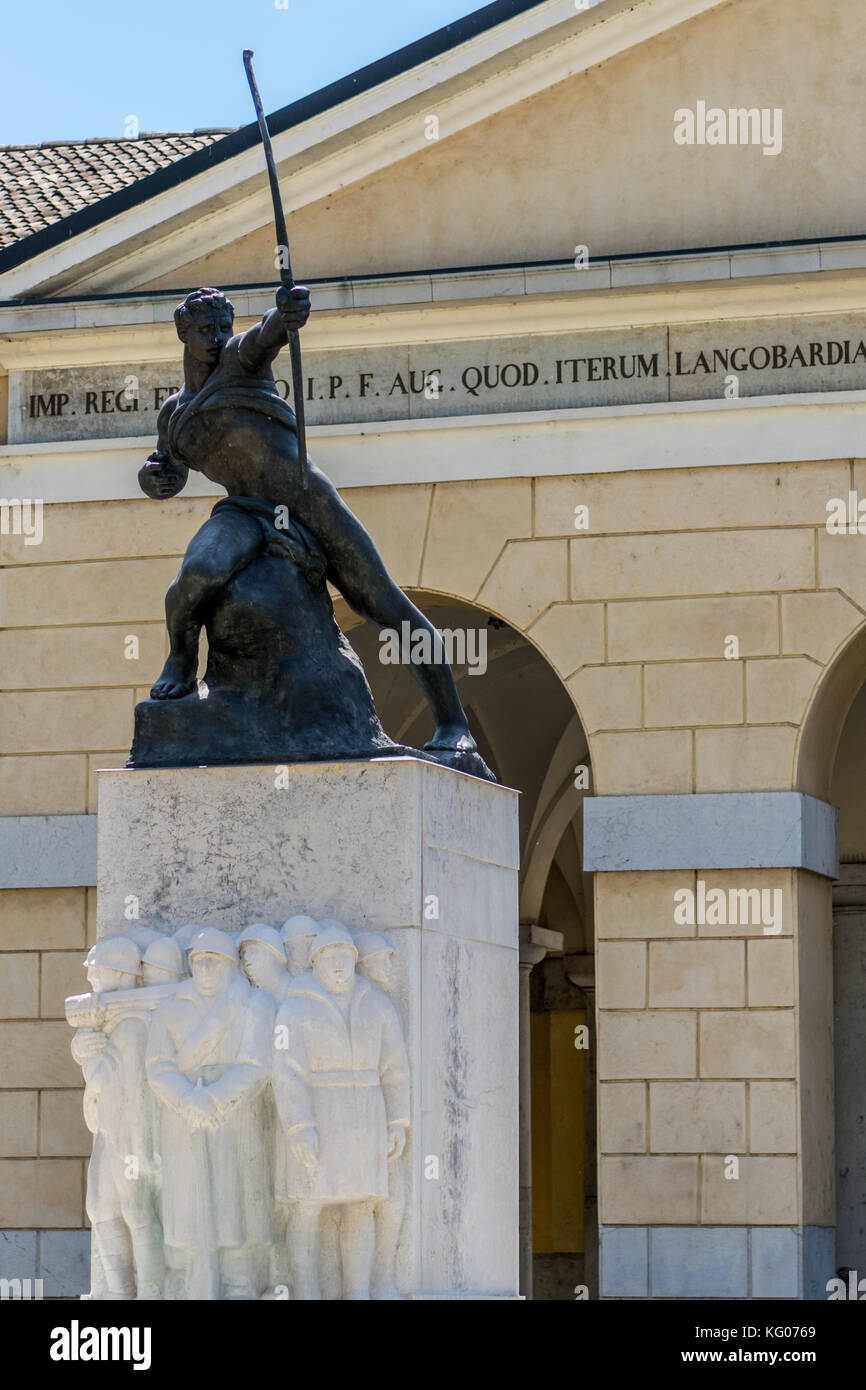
(375,958)
(264,964)
(341,1082)
(298,934)
(376,963)
(264,960)
(127,1245)
(208,1062)
(163,963)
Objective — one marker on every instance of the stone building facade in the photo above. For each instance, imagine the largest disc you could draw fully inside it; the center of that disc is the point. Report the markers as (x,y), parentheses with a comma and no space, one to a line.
(599,394)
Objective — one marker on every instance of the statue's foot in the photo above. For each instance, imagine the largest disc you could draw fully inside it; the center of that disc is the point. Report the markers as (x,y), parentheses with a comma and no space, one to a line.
(387,1293)
(462,760)
(149,1293)
(178,678)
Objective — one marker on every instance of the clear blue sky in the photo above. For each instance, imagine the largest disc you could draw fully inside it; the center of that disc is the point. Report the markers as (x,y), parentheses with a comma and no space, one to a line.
(73,68)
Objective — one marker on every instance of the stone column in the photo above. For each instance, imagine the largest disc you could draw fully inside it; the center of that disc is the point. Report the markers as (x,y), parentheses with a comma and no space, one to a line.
(535,942)
(715,1014)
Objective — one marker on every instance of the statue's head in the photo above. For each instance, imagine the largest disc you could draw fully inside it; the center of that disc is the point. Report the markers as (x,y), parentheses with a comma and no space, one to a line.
(162,962)
(333,957)
(213,958)
(204,324)
(113,963)
(262,956)
(298,934)
(375,958)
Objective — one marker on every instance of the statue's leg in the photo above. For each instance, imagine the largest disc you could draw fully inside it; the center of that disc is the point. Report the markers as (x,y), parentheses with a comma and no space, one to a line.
(330,1272)
(242,1272)
(98,1280)
(360,574)
(279,1249)
(357,1246)
(303,1234)
(115,1254)
(177,1267)
(110,1234)
(388,1218)
(139,1210)
(225,544)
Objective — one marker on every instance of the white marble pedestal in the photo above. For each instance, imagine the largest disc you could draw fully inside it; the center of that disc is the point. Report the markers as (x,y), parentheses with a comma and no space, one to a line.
(421,853)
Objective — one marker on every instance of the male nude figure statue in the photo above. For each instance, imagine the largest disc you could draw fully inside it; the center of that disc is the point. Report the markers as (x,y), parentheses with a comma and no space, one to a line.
(230,423)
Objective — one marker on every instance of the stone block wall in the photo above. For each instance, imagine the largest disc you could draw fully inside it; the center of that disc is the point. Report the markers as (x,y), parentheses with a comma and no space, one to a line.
(704,1034)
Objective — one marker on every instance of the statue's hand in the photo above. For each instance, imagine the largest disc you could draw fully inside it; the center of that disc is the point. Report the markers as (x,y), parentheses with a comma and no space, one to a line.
(198,1110)
(293,306)
(396,1140)
(158,478)
(88,1043)
(304,1147)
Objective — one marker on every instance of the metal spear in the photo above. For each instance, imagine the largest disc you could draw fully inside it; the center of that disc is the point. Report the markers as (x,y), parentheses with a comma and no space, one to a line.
(286,277)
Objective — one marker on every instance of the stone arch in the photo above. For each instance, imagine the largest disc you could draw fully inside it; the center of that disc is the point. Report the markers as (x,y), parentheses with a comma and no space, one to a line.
(822,724)
(833,933)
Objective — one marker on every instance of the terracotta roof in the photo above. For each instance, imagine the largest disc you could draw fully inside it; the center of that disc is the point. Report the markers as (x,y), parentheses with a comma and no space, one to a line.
(43,184)
(173,171)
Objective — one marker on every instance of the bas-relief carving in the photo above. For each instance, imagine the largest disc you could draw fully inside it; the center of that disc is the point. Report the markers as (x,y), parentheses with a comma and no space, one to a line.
(248,1094)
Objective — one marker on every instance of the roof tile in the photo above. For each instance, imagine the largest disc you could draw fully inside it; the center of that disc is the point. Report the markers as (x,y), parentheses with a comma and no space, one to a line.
(42,184)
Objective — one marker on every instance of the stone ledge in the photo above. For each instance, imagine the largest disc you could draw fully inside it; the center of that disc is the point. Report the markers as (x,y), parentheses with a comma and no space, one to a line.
(711,830)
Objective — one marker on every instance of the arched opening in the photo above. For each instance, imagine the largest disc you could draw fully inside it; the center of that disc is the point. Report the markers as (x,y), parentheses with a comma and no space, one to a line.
(524,721)
(849,989)
(831,757)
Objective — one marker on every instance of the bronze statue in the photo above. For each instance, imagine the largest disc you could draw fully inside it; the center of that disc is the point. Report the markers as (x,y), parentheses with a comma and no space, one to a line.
(282,681)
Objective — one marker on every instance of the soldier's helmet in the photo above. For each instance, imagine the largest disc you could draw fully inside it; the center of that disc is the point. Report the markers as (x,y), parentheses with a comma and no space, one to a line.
(165,954)
(298,927)
(115,953)
(214,942)
(372,943)
(265,936)
(332,933)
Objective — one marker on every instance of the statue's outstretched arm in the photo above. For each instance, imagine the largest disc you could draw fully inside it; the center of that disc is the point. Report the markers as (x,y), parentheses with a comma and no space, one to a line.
(260,345)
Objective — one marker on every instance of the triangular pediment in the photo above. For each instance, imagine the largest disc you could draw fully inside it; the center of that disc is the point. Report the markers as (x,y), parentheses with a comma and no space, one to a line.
(551,130)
